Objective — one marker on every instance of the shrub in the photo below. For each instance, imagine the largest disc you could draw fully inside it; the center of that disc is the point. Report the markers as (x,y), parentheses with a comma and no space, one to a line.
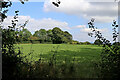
(110,56)
(86,43)
(74,42)
(98,42)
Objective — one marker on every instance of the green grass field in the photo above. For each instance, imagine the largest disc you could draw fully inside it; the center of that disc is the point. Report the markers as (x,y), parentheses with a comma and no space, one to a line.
(62,51)
(83,57)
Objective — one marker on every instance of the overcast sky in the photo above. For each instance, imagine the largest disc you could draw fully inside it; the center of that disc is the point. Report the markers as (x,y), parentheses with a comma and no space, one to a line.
(71,15)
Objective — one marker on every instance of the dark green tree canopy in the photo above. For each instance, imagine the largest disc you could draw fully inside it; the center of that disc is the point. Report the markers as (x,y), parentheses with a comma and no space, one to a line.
(49,35)
(25,34)
(60,36)
(56,36)
(98,42)
(41,34)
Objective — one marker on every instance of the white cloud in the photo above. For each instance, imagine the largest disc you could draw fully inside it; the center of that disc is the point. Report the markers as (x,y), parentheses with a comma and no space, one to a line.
(89,30)
(79,32)
(82,37)
(84,28)
(33,24)
(81,26)
(101,11)
(78,27)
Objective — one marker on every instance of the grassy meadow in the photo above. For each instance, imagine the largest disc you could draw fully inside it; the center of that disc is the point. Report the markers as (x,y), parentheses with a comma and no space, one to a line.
(81,57)
(82,53)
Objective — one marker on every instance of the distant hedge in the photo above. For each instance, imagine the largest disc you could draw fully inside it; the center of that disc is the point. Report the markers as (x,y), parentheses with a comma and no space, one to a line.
(34,42)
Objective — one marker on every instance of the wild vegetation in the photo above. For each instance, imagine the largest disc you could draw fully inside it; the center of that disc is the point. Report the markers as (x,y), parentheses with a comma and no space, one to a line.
(45,51)
(56,55)
(57,60)
(18,65)
(110,56)
(55,36)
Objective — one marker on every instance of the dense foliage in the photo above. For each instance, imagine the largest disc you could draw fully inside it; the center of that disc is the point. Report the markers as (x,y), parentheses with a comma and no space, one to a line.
(110,56)
(98,42)
(24,35)
(61,37)
(56,36)
(14,67)
(11,59)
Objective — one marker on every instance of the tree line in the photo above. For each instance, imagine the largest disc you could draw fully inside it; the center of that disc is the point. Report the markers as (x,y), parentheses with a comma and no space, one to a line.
(55,36)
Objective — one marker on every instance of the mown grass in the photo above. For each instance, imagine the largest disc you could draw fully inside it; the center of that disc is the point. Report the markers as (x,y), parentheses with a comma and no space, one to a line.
(66,56)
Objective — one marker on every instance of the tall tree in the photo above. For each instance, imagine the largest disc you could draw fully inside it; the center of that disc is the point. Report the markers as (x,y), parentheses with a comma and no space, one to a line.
(25,34)
(41,34)
(49,35)
(67,37)
(57,35)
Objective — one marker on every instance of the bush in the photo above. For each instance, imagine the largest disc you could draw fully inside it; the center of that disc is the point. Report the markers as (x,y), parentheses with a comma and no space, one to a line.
(74,42)
(98,42)
(110,56)
(116,43)
(86,43)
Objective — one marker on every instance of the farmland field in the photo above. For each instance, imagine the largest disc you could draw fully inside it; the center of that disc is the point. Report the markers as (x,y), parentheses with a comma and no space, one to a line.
(62,51)
(83,55)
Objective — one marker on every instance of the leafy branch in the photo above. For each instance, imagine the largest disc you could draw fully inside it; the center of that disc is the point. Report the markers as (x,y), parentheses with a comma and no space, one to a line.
(110,56)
